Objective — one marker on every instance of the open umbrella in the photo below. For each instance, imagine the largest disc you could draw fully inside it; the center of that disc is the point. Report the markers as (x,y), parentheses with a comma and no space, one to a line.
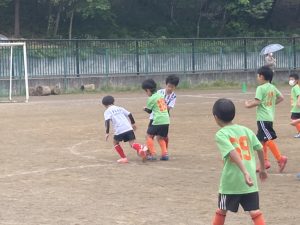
(271,48)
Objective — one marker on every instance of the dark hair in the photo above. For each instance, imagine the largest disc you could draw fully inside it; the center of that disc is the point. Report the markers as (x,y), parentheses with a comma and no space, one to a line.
(108,100)
(295,76)
(224,109)
(149,84)
(267,72)
(172,79)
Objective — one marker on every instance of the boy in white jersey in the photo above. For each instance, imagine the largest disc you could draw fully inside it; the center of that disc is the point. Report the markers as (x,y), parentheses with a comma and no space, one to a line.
(169,96)
(238,184)
(119,117)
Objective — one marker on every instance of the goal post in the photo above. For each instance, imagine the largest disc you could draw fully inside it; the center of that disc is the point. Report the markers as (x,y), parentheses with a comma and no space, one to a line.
(11,45)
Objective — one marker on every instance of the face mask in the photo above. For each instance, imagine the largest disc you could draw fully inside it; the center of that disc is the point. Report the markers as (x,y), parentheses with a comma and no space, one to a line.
(292,82)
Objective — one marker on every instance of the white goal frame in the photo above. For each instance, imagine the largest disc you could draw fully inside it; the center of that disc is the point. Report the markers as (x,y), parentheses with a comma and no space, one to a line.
(12,45)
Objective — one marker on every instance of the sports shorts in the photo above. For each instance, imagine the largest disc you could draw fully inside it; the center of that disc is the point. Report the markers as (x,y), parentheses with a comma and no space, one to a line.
(126,136)
(231,202)
(295,116)
(265,131)
(158,130)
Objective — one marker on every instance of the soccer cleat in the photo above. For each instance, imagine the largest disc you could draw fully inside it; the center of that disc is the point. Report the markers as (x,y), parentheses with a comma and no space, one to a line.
(143,153)
(151,157)
(297,135)
(282,163)
(122,160)
(164,158)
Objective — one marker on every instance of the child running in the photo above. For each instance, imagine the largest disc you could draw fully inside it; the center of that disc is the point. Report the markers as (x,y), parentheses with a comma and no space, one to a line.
(266,97)
(238,185)
(169,95)
(119,117)
(295,100)
(160,124)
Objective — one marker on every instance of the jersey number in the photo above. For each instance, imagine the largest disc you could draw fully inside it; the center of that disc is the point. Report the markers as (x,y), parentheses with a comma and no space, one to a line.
(162,104)
(242,147)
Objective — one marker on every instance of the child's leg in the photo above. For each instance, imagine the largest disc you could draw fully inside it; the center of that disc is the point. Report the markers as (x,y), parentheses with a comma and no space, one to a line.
(219,218)
(138,147)
(163,147)
(281,159)
(167,142)
(257,217)
(150,144)
(120,151)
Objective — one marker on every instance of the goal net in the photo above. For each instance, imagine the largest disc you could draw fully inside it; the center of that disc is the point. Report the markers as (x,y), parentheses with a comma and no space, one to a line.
(13,72)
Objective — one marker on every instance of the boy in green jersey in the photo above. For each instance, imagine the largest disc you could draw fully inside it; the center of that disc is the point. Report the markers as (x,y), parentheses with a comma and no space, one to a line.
(266,97)
(160,125)
(238,185)
(295,102)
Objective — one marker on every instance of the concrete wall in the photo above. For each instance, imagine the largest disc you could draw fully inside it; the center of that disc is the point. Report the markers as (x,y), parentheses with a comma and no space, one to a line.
(123,81)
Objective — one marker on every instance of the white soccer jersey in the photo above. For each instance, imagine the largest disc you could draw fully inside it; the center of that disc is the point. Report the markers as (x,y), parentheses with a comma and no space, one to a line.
(169,99)
(119,119)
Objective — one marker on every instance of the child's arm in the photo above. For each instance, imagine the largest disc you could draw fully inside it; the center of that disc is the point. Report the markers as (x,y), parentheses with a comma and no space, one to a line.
(262,172)
(279,99)
(252,103)
(147,110)
(298,101)
(237,160)
(106,129)
(130,116)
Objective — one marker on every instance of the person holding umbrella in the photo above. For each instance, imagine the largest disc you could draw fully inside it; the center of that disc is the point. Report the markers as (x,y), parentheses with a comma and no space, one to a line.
(270,61)
(268,51)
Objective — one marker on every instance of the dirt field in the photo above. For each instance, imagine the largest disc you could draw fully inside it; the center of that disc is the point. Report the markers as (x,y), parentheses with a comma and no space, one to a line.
(57,169)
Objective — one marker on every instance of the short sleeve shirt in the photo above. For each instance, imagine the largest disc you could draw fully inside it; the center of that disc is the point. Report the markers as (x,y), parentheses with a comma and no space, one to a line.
(169,99)
(119,119)
(295,93)
(244,141)
(267,93)
(157,104)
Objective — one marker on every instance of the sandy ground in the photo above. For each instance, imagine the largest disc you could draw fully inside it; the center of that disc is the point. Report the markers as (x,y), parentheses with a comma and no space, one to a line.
(56,167)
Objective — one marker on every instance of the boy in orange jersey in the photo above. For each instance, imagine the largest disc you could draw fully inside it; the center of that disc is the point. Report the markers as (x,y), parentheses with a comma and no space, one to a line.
(266,97)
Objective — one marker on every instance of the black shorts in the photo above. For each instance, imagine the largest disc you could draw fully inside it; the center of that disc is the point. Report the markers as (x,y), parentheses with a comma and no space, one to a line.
(126,136)
(295,116)
(265,131)
(249,202)
(158,130)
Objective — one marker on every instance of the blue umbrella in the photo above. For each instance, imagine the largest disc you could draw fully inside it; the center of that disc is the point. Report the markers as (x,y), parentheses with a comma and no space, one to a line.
(271,48)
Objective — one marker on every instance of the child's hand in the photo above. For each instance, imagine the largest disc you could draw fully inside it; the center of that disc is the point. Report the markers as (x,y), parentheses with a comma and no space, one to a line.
(248,103)
(248,179)
(106,137)
(263,175)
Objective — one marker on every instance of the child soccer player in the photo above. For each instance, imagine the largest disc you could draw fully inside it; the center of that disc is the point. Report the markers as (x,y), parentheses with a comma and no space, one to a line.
(119,117)
(238,185)
(160,124)
(295,100)
(266,97)
(169,95)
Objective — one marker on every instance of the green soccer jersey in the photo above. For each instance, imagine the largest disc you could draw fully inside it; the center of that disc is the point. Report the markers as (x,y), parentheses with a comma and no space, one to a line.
(157,104)
(244,141)
(295,93)
(267,93)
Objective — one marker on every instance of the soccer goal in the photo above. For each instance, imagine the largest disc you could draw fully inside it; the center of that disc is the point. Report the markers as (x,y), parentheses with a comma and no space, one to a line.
(8,51)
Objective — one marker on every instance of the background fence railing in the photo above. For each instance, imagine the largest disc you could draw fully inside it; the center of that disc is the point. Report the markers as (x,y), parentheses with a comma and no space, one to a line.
(110,57)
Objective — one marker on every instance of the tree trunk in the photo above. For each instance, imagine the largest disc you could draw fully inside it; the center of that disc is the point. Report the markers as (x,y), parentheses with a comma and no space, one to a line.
(17,19)
(71,24)
(50,21)
(57,20)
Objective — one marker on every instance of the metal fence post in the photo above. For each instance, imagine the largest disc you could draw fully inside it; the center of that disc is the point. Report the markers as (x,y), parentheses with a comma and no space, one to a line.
(193,55)
(106,62)
(294,53)
(146,61)
(137,57)
(221,59)
(245,54)
(77,57)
